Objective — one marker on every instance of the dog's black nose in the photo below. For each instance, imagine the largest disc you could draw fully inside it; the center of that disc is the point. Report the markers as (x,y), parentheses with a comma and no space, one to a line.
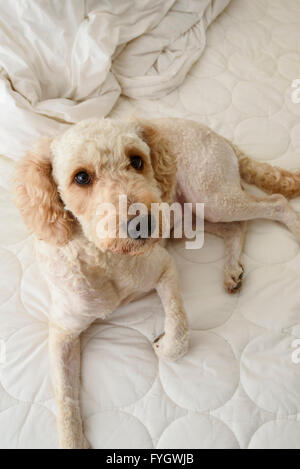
(141,227)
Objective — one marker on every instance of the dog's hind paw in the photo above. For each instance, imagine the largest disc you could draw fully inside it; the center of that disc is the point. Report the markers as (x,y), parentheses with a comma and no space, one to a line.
(233,277)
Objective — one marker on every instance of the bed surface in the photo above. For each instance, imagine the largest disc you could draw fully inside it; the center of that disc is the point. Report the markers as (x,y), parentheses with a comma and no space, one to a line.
(238,386)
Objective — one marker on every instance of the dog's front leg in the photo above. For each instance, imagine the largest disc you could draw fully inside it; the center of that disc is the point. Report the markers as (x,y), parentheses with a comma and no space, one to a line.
(65,365)
(173,343)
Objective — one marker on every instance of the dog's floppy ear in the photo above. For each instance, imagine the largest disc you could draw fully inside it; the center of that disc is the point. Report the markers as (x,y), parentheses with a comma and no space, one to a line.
(37,198)
(163,161)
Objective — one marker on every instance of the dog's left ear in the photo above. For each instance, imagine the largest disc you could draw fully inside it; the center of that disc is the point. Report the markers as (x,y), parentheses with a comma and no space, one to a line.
(37,197)
(163,161)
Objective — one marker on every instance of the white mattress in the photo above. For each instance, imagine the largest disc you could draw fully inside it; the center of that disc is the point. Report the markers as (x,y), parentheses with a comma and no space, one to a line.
(238,386)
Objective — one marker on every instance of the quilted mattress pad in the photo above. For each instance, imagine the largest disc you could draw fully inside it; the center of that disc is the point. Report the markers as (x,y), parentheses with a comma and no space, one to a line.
(239,384)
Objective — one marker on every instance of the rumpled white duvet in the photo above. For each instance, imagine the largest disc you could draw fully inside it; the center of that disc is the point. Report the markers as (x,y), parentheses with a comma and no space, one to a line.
(239,384)
(69,60)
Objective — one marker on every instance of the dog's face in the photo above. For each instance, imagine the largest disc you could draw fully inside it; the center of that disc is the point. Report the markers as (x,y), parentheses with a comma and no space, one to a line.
(80,176)
(96,162)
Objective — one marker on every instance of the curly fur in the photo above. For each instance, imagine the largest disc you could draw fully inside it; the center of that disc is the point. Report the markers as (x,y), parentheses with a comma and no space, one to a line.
(37,197)
(270,179)
(163,160)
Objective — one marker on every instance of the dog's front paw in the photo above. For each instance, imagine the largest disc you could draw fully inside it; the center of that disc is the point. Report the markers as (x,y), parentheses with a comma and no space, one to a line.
(77,442)
(171,348)
(85,443)
(233,277)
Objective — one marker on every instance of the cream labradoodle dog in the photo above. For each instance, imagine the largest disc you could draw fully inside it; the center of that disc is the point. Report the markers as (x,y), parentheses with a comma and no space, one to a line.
(60,185)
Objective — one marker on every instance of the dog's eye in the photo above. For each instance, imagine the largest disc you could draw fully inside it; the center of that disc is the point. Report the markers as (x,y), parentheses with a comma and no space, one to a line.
(82,178)
(136,162)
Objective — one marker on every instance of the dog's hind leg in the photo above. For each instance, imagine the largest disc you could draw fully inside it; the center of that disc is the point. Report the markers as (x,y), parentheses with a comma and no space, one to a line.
(234,237)
(241,206)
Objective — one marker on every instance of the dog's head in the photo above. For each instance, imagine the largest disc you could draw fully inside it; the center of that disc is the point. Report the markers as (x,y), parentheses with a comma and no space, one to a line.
(77,178)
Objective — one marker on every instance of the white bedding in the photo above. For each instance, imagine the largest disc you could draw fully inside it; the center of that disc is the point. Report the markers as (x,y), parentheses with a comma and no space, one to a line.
(238,386)
(71,60)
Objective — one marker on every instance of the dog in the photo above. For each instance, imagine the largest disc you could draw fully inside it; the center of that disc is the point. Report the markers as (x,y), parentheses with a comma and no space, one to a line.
(61,183)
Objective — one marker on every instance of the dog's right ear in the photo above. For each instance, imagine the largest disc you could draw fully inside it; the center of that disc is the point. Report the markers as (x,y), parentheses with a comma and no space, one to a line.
(37,198)
(162,159)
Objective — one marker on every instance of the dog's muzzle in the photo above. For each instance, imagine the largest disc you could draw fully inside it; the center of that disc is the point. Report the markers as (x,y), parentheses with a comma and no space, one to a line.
(141,227)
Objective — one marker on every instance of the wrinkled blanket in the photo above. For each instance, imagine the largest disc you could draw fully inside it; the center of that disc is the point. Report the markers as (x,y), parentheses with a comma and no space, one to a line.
(63,61)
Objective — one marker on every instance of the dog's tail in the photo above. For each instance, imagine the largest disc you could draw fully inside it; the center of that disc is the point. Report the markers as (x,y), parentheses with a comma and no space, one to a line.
(270,179)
